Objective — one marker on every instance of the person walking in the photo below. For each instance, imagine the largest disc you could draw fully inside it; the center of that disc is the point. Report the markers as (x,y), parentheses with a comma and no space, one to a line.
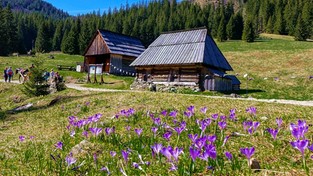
(5,75)
(10,74)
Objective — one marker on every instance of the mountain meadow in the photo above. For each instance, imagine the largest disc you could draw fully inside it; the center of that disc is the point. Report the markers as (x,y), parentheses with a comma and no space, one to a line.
(119,131)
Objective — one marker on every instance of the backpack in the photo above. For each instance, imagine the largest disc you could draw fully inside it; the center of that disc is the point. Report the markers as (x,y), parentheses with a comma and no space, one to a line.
(10,72)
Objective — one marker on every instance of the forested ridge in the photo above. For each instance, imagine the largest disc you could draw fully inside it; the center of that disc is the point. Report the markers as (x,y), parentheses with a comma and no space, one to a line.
(20,31)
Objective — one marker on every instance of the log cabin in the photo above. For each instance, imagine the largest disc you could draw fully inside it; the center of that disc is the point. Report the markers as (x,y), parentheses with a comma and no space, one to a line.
(185,58)
(115,51)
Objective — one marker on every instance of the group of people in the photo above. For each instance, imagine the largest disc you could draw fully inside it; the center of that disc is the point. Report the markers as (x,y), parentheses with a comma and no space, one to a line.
(8,74)
(24,73)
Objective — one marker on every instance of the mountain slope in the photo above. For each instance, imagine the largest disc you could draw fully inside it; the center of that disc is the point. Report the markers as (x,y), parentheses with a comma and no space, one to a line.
(29,6)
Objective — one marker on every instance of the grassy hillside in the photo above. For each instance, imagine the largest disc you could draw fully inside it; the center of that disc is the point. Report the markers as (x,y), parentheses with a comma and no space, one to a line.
(279,68)
(47,125)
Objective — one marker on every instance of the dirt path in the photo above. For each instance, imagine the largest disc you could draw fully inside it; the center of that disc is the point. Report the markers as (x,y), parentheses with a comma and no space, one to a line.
(292,102)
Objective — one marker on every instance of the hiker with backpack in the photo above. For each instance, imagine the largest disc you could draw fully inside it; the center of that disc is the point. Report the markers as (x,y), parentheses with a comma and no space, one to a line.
(5,75)
(10,74)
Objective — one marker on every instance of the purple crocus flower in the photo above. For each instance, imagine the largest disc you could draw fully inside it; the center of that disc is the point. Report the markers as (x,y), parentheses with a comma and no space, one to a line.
(194,153)
(310,147)
(176,152)
(95,131)
(299,130)
(301,145)
(154,130)
(157,121)
(156,148)
(166,152)
(214,116)
(164,113)
(191,109)
(167,135)
(135,165)
(223,118)
(188,114)
(222,125)
(108,130)
(138,131)
(203,110)
(85,133)
(211,139)
(210,150)
(32,137)
(125,155)
(232,114)
(59,145)
(173,167)
(279,121)
(70,159)
(200,142)
(193,138)
(22,138)
(273,133)
(228,155)
(127,128)
(105,169)
(173,114)
(250,126)
(95,157)
(204,124)
(179,130)
(248,152)
(251,110)
(112,153)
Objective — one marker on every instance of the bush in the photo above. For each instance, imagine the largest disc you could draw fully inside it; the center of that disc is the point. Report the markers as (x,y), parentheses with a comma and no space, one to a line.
(36,85)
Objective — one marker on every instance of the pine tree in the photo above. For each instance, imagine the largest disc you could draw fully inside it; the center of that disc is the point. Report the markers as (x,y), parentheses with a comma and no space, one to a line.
(3,37)
(248,31)
(279,23)
(10,30)
(221,33)
(230,28)
(84,38)
(70,45)
(301,32)
(238,26)
(43,42)
(270,25)
(57,37)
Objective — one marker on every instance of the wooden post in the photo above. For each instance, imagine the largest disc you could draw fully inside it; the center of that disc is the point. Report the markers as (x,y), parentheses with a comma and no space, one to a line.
(102,81)
(95,76)
(88,76)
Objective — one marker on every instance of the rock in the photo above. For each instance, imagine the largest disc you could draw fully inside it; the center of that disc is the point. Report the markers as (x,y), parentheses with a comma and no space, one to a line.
(82,148)
(255,165)
(22,108)
(263,118)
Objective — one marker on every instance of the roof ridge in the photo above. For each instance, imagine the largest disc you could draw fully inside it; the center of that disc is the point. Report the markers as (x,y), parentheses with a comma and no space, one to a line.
(184,30)
(177,44)
(104,30)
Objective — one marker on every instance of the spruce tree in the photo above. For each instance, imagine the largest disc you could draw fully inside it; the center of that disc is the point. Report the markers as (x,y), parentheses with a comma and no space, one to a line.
(248,31)
(10,30)
(3,37)
(221,33)
(231,28)
(269,26)
(84,38)
(57,37)
(43,42)
(238,26)
(301,32)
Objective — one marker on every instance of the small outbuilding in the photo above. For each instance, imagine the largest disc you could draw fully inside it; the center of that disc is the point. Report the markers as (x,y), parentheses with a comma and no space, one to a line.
(187,58)
(115,51)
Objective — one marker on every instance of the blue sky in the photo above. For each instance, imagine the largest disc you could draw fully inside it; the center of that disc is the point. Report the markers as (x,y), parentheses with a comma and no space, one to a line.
(74,7)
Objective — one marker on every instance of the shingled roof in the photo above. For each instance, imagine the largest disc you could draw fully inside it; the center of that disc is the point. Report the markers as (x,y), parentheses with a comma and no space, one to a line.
(120,44)
(183,47)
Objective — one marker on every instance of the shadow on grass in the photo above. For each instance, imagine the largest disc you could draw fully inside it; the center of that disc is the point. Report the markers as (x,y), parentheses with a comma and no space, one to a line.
(243,91)
(7,114)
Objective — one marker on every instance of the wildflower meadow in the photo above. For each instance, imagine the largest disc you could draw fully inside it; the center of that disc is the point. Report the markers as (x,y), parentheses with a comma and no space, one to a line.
(190,141)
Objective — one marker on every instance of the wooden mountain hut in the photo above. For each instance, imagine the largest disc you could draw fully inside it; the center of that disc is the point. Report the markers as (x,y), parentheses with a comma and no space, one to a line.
(187,58)
(115,51)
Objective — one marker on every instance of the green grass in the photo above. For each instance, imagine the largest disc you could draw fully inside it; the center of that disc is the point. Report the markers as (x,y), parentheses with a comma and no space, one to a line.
(48,125)
(111,82)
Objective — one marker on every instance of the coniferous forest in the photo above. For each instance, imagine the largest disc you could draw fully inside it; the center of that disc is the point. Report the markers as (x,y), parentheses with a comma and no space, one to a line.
(22,31)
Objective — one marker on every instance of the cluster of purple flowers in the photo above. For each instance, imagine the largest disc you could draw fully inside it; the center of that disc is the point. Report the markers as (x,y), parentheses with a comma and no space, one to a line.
(202,147)
(298,131)
(251,110)
(125,113)
(250,126)
(80,123)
